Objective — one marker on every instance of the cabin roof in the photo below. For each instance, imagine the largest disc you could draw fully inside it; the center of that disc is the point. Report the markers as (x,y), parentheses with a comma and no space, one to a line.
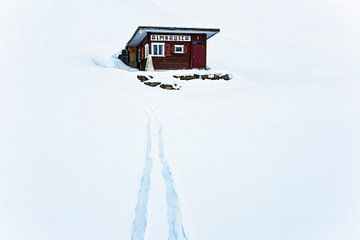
(141,32)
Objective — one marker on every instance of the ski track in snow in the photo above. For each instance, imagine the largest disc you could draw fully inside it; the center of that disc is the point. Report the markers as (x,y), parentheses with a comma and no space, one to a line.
(176,228)
(140,221)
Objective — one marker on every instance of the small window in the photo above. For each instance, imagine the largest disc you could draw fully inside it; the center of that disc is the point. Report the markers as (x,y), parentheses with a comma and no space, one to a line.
(179,49)
(157,49)
(139,55)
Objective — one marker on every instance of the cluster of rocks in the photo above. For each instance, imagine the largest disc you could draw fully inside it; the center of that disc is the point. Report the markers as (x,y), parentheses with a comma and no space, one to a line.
(145,80)
(148,80)
(204,77)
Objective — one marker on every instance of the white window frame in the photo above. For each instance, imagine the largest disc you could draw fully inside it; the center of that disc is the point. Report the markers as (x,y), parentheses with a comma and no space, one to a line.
(158,44)
(182,49)
(146,50)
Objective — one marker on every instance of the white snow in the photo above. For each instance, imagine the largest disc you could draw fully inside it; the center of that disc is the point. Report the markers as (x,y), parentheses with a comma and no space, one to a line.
(271,154)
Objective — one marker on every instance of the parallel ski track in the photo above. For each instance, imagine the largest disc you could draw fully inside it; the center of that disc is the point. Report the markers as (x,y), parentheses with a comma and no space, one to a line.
(176,228)
(140,220)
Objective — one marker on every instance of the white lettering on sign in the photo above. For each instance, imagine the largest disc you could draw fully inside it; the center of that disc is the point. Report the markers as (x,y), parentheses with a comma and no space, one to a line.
(175,38)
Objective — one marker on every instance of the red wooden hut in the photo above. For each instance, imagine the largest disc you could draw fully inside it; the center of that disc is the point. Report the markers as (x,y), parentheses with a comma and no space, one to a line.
(170,47)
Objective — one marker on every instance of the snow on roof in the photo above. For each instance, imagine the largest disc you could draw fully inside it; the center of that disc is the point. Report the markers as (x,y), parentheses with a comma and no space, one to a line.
(141,32)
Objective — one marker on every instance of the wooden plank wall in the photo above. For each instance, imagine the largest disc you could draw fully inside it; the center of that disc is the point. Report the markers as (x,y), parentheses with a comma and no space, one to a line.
(174,60)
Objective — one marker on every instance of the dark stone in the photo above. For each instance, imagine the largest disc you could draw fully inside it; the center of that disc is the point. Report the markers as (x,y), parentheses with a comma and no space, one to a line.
(169,87)
(152,84)
(226,77)
(215,77)
(142,78)
(205,76)
(197,76)
(187,77)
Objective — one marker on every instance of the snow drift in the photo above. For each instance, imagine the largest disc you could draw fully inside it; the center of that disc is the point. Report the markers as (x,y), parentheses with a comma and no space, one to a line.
(271,154)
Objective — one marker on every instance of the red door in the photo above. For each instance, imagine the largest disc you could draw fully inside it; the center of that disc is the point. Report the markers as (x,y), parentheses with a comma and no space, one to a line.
(198,55)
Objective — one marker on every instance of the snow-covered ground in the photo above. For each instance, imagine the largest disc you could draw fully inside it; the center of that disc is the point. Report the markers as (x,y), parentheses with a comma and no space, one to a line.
(89,152)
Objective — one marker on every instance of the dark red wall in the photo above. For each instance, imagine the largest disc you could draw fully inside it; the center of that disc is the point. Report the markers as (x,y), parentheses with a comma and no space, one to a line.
(177,60)
(198,51)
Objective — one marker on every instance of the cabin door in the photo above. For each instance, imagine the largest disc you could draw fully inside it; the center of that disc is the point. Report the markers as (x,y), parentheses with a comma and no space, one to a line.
(198,55)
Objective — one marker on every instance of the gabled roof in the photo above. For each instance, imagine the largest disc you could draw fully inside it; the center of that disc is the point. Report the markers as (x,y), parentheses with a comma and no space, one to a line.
(141,32)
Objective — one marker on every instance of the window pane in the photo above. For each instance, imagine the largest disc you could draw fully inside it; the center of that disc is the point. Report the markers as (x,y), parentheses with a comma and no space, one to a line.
(155,49)
(161,50)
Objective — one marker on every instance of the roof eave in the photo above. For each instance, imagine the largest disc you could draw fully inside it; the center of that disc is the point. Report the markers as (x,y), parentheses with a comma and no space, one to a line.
(214,30)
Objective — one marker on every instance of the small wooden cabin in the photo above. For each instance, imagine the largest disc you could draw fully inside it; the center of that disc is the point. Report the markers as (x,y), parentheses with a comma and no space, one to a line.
(169,47)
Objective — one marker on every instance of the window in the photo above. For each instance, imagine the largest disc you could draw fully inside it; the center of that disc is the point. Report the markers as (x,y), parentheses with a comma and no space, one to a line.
(178,48)
(146,50)
(157,49)
(139,55)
